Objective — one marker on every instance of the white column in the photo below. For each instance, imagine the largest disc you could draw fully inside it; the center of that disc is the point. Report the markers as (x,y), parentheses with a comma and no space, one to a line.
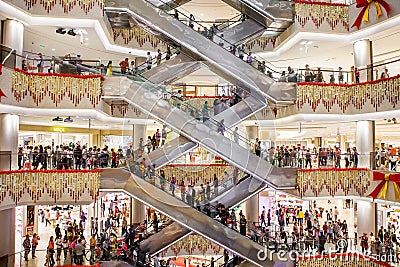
(139,131)
(366,217)
(7,232)
(365,142)
(138,211)
(252,209)
(9,126)
(363,58)
(13,35)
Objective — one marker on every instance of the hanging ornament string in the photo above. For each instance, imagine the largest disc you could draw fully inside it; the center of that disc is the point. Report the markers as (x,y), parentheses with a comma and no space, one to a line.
(345,95)
(57,87)
(318,12)
(261,42)
(67,5)
(333,180)
(57,184)
(364,13)
(141,37)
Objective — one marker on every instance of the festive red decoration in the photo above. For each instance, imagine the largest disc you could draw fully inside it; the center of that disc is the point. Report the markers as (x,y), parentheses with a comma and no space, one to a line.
(345,95)
(67,5)
(318,12)
(319,3)
(45,74)
(57,87)
(364,13)
(1,69)
(55,183)
(333,180)
(2,94)
(382,188)
(345,259)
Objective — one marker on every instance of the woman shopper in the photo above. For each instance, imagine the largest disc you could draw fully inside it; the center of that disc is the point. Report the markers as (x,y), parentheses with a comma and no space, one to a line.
(50,252)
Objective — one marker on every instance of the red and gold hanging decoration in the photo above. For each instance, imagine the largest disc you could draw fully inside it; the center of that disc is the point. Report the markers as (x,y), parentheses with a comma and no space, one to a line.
(54,183)
(197,174)
(350,259)
(124,108)
(333,180)
(364,13)
(57,87)
(345,95)
(318,12)
(67,5)
(262,42)
(382,188)
(192,242)
(141,36)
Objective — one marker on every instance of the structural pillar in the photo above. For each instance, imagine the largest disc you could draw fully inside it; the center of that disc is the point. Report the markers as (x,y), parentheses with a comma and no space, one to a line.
(366,217)
(252,209)
(138,211)
(363,58)
(13,35)
(9,126)
(139,131)
(252,132)
(365,143)
(318,141)
(7,233)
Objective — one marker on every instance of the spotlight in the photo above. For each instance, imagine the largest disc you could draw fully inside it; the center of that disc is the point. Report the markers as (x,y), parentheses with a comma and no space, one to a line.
(61,31)
(69,119)
(71,32)
(57,119)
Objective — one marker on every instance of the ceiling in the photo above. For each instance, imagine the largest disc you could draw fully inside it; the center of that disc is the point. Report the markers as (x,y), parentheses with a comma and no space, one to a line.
(45,40)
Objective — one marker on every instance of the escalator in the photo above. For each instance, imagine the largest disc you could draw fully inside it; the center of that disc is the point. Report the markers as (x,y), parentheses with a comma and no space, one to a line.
(215,55)
(275,15)
(148,99)
(229,197)
(173,207)
(181,145)
(243,32)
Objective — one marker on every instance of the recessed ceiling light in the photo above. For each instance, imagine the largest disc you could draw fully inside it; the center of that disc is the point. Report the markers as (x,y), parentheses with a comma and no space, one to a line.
(87,39)
(53,49)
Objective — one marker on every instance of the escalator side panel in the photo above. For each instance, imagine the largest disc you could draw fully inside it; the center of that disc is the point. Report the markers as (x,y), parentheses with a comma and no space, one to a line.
(183,214)
(165,238)
(172,70)
(243,32)
(170,151)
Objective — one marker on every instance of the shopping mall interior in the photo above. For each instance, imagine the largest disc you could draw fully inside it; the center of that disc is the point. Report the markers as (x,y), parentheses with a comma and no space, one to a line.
(199,133)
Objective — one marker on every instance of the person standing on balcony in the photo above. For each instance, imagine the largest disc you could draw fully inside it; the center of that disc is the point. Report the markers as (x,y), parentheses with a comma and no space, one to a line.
(308,158)
(109,68)
(357,75)
(124,64)
(337,157)
(308,75)
(319,78)
(355,157)
(385,74)
(149,61)
(340,76)
(40,64)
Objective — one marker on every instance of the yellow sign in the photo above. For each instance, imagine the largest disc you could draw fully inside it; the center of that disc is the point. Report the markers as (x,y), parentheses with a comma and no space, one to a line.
(59,129)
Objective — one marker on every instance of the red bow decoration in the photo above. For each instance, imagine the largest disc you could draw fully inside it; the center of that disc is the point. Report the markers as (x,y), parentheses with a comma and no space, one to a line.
(1,68)
(2,94)
(381,190)
(364,14)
